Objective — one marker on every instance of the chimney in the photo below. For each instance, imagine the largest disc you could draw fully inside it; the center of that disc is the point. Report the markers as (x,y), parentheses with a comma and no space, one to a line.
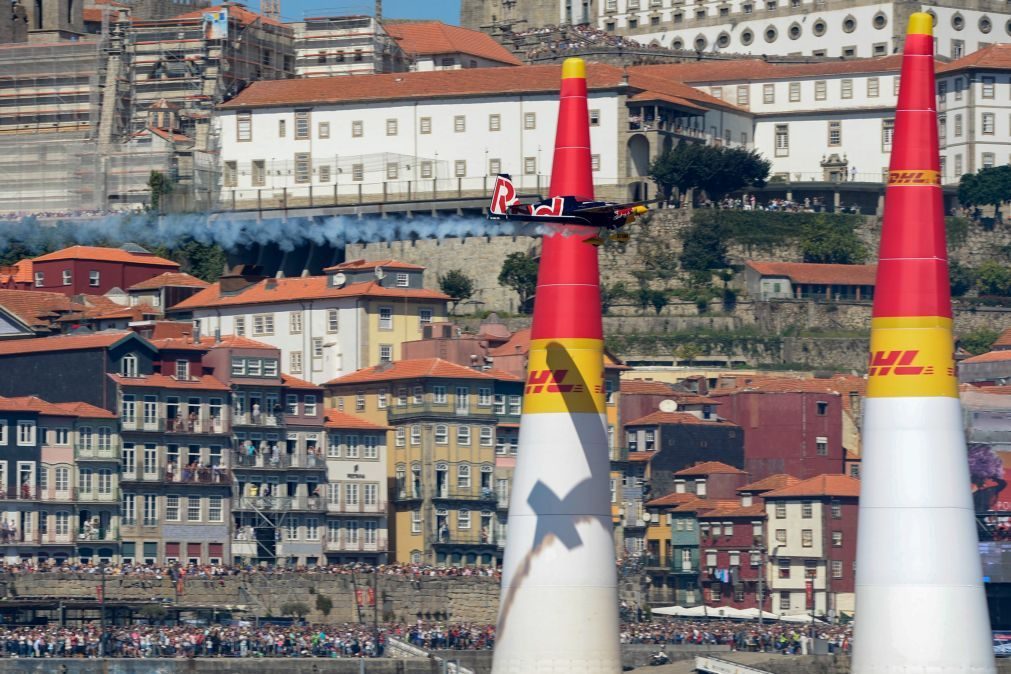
(217,335)
(379,11)
(239,278)
(196,332)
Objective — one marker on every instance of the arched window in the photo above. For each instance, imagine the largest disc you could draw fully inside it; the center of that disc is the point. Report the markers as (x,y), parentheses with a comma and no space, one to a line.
(463,476)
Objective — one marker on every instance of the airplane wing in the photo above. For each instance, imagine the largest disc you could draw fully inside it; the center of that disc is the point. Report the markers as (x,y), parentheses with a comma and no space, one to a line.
(529,217)
(609,208)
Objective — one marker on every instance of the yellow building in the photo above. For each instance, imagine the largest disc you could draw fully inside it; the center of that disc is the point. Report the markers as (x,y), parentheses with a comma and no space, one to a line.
(445,422)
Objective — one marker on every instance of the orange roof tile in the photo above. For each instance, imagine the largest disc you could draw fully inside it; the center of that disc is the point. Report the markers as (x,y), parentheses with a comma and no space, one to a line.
(737,510)
(23,271)
(651,96)
(429,38)
(335,419)
(819,274)
(677,418)
(989,357)
(1003,340)
(368,265)
(37,309)
(646,387)
(169,279)
(994,390)
(88,411)
(709,468)
(459,83)
(641,457)
(302,288)
(695,505)
(771,482)
(102,254)
(34,404)
(820,485)
(519,343)
(238,12)
(419,368)
(170,136)
(186,343)
(296,383)
(671,499)
(830,386)
(993,57)
(97,340)
(202,383)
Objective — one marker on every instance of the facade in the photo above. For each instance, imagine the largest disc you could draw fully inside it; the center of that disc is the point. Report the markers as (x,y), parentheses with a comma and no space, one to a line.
(388,135)
(344,45)
(805,281)
(731,561)
(433,45)
(94,270)
(445,420)
(324,326)
(165,290)
(812,546)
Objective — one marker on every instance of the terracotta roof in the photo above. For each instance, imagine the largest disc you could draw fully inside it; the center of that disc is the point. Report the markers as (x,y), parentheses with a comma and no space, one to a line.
(294,289)
(458,83)
(93,14)
(170,136)
(995,57)
(771,482)
(363,265)
(420,368)
(88,411)
(989,357)
(238,12)
(752,70)
(1003,340)
(994,390)
(820,485)
(820,274)
(710,468)
(186,343)
(434,37)
(700,505)
(754,510)
(650,96)
(335,419)
(519,343)
(202,383)
(641,457)
(37,309)
(34,404)
(102,254)
(831,386)
(671,499)
(679,418)
(20,272)
(96,340)
(646,387)
(295,382)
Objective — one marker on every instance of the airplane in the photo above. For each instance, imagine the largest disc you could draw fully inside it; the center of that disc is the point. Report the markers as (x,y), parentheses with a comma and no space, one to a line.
(606,216)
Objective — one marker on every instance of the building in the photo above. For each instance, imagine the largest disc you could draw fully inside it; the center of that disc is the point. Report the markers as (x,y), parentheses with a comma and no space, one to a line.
(165,290)
(355,316)
(805,281)
(812,527)
(433,45)
(25,313)
(389,135)
(445,420)
(831,28)
(731,558)
(345,45)
(95,270)
(661,563)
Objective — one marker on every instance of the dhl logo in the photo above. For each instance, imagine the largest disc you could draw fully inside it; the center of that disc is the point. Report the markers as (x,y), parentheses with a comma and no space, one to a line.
(898,363)
(914,178)
(552,381)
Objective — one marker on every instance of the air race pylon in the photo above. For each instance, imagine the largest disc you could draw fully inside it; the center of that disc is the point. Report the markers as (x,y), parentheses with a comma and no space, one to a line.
(920,605)
(559,606)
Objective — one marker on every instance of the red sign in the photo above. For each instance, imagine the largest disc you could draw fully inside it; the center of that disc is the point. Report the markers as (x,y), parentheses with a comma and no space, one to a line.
(372,597)
(809,593)
(98,592)
(358,598)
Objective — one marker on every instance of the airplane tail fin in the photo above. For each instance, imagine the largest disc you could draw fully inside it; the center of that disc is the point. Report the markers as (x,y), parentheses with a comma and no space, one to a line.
(503,195)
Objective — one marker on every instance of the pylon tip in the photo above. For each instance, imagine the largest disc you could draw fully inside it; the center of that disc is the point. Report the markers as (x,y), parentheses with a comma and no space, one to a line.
(574,69)
(920,23)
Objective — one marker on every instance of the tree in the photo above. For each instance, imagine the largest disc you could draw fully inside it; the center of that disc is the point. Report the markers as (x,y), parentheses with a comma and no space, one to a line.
(609,294)
(717,171)
(153,613)
(519,272)
(659,300)
(962,278)
(993,278)
(703,248)
(160,185)
(680,167)
(987,187)
(296,609)
(323,604)
(825,243)
(457,285)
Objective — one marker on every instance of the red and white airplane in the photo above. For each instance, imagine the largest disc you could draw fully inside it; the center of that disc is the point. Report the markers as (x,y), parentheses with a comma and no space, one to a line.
(608,217)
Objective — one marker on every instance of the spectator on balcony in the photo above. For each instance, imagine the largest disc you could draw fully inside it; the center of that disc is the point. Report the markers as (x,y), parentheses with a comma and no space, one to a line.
(170,471)
(256,413)
(5,532)
(192,420)
(275,455)
(26,490)
(217,473)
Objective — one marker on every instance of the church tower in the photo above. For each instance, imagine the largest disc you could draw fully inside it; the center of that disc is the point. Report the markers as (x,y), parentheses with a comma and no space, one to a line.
(54,20)
(493,16)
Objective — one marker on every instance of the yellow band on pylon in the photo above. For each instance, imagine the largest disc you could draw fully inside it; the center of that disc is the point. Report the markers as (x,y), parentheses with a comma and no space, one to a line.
(565,375)
(574,68)
(920,23)
(911,357)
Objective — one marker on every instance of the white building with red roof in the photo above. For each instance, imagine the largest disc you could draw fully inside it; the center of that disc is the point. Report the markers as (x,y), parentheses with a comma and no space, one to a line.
(434,45)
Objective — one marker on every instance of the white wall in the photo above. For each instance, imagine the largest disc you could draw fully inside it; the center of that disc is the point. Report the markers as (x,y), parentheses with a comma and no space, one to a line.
(964,97)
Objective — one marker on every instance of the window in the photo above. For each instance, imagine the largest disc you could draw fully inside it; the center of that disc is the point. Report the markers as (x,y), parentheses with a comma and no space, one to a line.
(391,170)
(463,474)
(988,159)
(402,397)
(309,406)
(846,88)
(988,123)
(459,123)
(460,168)
(594,117)
(385,353)
(323,128)
(494,166)
(150,510)
(360,401)
(987,87)
(294,328)
(463,519)
(244,127)
(743,94)
(768,93)
(193,509)
(441,434)
(282,128)
(425,125)
(820,90)
(873,87)
(837,569)
(94,278)
(240,325)
(463,435)
(821,446)
(807,510)
(836,509)
(807,538)
(391,127)
(530,121)
(415,521)
(357,129)
(263,324)
(128,508)
(295,362)
(26,433)
(530,166)
(311,529)
(834,134)
(783,566)
(40,279)
(515,405)
(957,49)
(439,395)
(782,140)
(594,162)
(415,435)
(494,122)
(794,92)
(230,177)
(836,539)
(303,167)
(352,446)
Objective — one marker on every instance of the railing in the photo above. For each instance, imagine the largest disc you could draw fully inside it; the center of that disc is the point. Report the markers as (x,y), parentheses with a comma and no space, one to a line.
(429,409)
(250,419)
(204,475)
(379,545)
(53,538)
(377,508)
(475,494)
(25,493)
(270,461)
(279,503)
(105,453)
(97,534)
(53,494)
(465,537)
(186,425)
(95,495)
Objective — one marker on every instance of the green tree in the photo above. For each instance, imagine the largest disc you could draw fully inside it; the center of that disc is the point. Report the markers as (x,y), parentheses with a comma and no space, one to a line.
(825,243)
(987,187)
(659,300)
(703,248)
(993,278)
(962,278)
(612,293)
(519,272)
(160,185)
(717,171)
(153,613)
(978,342)
(323,604)
(296,609)
(457,285)
(680,167)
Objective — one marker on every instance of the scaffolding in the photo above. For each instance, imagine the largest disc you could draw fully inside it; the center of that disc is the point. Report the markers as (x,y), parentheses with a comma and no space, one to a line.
(345,45)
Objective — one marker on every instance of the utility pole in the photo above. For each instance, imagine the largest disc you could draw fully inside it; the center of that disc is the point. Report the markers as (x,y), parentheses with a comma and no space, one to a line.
(101,601)
(761,583)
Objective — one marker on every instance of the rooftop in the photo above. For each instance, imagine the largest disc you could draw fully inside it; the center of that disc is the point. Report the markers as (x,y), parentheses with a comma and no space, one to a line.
(818,274)
(989,357)
(671,499)
(335,419)
(101,254)
(820,485)
(759,70)
(709,468)
(78,342)
(420,368)
(202,383)
(429,38)
(235,11)
(369,265)
(519,343)
(754,510)
(1003,340)
(771,482)
(37,309)
(676,418)
(36,404)
(296,383)
(995,57)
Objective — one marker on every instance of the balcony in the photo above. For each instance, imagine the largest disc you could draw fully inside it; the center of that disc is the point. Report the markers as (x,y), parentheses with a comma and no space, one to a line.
(54,538)
(93,453)
(359,508)
(486,495)
(87,534)
(53,495)
(180,424)
(204,475)
(465,537)
(25,493)
(95,496)
(442,411)
(268,461)
(279,503)
(138,474)
(361,545)
(250,419)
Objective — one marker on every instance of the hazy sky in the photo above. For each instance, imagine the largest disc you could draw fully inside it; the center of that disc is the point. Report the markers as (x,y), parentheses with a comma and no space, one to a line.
(444,10)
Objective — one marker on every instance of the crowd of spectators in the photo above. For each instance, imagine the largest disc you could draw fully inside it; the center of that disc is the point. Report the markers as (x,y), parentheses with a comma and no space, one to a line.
(788,639)
(560,40)
(74,213)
